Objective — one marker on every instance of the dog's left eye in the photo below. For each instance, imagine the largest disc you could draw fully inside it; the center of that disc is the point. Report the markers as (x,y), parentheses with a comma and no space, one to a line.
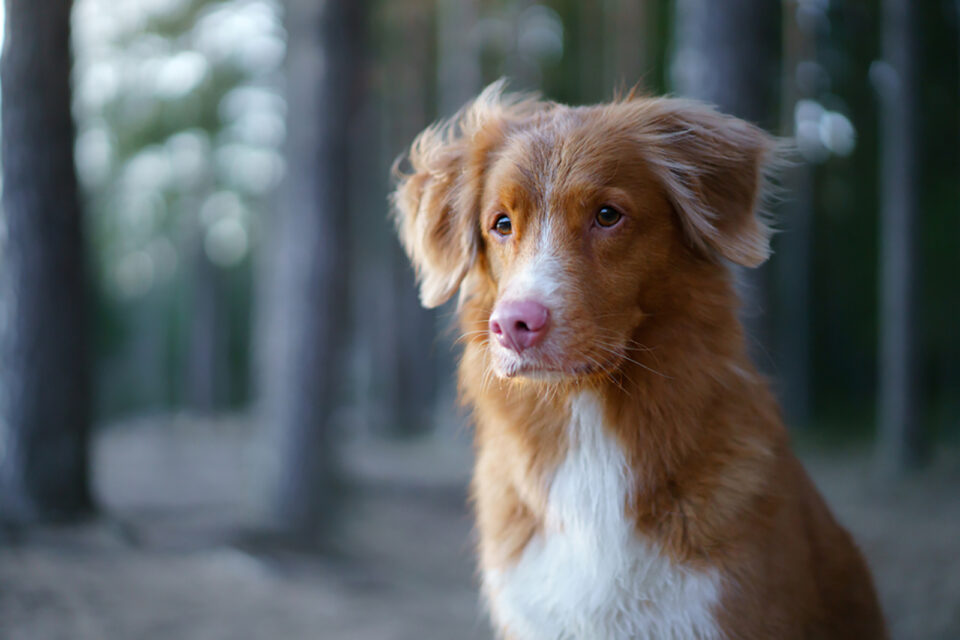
(502,225)
(608,216)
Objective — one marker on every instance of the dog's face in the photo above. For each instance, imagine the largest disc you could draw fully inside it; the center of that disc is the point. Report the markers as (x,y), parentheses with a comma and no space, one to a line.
(563,225)
(572,229)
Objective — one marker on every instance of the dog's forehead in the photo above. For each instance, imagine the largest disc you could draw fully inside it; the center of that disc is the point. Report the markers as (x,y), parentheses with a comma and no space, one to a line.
(558,157)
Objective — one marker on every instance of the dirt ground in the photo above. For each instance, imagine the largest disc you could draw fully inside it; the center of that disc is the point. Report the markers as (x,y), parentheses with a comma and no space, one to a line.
(170,558)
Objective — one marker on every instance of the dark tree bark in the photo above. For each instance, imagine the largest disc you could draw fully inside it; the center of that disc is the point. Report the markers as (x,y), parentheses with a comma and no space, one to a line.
(726,54)
(459,71)
(589,30)
(413,356)
(301,358)
(628,44)
(902,441)
(44,362)
(207,357)
(205,376)
(791,260)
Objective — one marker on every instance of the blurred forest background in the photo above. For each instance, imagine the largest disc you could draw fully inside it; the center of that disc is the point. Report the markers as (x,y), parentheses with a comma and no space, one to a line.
(209,335)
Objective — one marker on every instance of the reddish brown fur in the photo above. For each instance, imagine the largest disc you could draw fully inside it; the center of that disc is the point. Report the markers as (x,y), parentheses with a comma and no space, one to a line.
(716,483)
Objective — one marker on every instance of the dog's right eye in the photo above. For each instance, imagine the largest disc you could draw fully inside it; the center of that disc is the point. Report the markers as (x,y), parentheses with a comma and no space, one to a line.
(502,225)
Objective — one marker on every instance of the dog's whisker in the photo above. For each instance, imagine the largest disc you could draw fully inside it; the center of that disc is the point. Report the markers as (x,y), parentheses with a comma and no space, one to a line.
(469,334)
(636,362)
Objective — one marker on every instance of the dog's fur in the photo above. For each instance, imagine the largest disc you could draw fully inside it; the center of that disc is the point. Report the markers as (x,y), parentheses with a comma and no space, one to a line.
(633,475)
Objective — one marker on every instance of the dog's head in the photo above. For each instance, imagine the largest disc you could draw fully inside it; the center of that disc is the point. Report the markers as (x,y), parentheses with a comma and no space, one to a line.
(564,225)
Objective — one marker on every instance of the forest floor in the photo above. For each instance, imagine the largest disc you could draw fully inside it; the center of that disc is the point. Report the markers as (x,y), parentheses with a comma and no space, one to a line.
(170,559)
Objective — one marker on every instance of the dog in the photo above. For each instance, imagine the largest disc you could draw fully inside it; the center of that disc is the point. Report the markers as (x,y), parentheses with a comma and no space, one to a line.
(633,476)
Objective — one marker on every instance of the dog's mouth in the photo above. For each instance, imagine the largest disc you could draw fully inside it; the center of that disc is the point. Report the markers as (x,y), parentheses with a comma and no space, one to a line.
(547,369)
(548,374)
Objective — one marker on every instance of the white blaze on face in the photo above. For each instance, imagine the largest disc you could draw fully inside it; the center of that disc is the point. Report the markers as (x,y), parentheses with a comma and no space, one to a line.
(540,277)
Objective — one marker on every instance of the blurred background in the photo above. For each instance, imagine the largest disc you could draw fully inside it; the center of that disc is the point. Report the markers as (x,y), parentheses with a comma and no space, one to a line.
(223,413)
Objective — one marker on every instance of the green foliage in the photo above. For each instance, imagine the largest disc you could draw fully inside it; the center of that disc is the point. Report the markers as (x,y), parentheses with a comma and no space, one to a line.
(180,119)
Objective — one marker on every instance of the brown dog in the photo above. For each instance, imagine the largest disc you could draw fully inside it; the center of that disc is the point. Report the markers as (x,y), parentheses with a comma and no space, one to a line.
(633,475)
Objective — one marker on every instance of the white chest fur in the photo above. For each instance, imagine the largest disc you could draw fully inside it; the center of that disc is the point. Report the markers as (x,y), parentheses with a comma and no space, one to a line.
(588,576)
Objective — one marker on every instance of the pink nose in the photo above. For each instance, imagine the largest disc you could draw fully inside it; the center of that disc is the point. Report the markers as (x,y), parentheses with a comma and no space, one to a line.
(519,324)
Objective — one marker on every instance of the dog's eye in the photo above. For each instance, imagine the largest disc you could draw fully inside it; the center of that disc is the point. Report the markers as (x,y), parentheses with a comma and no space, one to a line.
(502,225)
(608,216)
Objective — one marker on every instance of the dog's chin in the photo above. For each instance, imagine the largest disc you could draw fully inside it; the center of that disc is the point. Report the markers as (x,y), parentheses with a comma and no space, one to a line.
(537,374)
(511,367)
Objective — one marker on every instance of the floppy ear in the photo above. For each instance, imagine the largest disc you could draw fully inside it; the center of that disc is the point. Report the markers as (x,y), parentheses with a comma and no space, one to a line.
(434,216)
(714,169)
(437,206)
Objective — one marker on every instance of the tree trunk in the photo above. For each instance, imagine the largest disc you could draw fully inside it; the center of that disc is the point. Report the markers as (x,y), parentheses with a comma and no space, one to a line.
(408,361)
(206,361)
(726,54)
(628,45)
(901,445)
(44,361)
(302,359)
(458,65)
(590,56)
(791,260)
